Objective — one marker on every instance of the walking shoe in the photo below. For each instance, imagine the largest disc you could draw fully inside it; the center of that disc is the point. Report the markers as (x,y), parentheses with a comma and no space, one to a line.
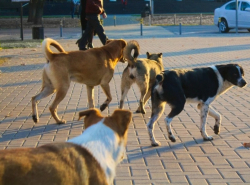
(90,45)
(81,46)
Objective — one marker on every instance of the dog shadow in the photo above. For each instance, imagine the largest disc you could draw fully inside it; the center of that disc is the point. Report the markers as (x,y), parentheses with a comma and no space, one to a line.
(16,134)
(34,130)
(19,68)
(149,151)
(242,148)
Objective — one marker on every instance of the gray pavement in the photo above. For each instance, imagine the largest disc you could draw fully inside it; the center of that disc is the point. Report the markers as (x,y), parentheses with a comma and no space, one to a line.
(189,160)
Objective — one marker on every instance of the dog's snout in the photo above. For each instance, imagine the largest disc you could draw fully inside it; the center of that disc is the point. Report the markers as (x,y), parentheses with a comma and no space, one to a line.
(242,83)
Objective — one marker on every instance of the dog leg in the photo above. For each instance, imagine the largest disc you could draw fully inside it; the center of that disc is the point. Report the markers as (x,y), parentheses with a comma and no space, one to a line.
(174,112)
(60,95)
(147,96)
(106,90)
(124,94)
(156,114)
(216,116)
(143,87)
(141,109)
(204,111)
(126,83)
(46,91)
(90,93)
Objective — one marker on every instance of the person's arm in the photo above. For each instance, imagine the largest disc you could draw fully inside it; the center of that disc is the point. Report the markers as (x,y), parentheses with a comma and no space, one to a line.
(104,15)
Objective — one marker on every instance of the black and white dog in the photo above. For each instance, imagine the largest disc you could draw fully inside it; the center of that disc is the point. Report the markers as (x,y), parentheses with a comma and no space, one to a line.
(200,85)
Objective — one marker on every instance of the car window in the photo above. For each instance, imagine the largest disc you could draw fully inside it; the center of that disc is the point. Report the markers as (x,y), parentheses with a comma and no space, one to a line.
(244,5)
(231,6)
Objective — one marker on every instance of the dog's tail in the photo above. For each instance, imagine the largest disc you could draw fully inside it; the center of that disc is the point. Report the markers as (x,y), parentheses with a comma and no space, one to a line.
(132,45)
(159,78)
(46,48)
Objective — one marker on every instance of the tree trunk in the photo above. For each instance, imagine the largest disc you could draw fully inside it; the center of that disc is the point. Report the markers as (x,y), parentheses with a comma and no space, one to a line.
(39,12)
(32,10)
(36,11)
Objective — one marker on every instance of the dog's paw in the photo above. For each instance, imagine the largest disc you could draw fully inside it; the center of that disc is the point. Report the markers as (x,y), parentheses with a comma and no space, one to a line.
(216,129)
(155,143)
(35,119)
(103,106)
(208,138)
(172,139)
(137,111)
(140,111)
(61,122)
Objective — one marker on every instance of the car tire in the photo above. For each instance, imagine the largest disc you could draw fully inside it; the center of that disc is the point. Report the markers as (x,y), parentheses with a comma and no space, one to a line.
(223,26)
(248,30)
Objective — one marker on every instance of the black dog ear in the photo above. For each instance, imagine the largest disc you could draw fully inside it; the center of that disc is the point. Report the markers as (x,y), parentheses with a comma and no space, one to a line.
(159,54)
(148,55)
(159,78)
(242,70)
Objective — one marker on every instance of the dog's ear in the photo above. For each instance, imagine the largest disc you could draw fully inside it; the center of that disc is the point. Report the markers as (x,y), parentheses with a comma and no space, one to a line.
(119,121)
(91,116)
(123,43)
(148,55)
(159,78)
(108,41)
(159,54)
(242,70)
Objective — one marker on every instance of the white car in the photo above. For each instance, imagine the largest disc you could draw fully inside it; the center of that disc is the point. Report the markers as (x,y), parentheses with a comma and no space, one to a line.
(225,16)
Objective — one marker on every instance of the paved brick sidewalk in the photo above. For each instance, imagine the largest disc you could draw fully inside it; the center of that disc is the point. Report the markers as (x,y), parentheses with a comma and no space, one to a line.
(188,161)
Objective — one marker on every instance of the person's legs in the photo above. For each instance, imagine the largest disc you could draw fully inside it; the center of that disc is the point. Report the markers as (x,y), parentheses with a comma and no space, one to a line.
(73,11)
(96,24)
(82,42)
(90,39)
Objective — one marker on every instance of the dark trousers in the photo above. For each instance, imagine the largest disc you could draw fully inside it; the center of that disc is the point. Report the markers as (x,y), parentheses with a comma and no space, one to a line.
(72,11)
(93,24)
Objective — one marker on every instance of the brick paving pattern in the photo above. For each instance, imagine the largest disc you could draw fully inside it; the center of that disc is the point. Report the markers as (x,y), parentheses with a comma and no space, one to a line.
(189,160)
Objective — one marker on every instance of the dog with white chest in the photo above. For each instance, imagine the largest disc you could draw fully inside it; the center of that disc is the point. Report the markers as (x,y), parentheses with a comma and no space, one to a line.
(200,85)
(89,159)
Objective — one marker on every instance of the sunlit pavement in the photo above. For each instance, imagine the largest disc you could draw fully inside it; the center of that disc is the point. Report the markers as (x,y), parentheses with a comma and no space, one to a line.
(189,160)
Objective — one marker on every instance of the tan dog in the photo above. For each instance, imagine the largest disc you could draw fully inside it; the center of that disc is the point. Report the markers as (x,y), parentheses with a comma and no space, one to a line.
(140,71)
(91,67)
(89,159)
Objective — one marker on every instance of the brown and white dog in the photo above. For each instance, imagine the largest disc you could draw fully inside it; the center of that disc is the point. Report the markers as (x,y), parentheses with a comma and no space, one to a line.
(91,67)
(89,159)
(200,85)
